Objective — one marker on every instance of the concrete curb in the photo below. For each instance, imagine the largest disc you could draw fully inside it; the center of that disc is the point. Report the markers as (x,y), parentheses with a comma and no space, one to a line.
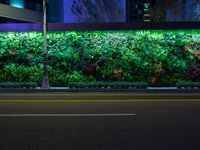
(93,90)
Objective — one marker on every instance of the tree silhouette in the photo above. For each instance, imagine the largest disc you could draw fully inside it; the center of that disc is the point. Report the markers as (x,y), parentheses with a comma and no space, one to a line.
(195,10)
(175,10)
(97,10)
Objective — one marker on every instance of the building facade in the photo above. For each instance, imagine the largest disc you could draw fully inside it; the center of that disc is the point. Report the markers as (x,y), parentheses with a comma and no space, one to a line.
(69,11)
(138,10)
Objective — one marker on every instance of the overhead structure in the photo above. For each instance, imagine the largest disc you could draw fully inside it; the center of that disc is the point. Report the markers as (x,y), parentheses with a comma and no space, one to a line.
(21,14)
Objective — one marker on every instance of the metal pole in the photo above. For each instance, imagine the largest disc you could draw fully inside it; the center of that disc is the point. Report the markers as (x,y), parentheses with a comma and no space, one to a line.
(45,81)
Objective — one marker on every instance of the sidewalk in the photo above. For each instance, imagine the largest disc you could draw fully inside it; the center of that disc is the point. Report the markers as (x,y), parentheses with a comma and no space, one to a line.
(66,89)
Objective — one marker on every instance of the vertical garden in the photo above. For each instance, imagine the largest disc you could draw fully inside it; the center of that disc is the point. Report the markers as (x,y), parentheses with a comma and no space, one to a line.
(158,58)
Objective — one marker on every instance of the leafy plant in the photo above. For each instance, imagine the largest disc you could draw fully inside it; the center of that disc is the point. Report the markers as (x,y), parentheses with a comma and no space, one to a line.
(159,58)
(18,85)
(125,85)
(186,84)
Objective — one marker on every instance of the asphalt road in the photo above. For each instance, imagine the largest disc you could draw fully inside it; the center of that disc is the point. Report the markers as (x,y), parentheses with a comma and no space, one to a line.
(81,124)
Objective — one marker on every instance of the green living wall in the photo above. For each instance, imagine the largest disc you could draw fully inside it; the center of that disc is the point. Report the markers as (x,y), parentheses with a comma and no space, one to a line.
(161,58)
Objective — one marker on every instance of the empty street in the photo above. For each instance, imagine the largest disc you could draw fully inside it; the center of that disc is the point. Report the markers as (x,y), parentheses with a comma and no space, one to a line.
(99,121)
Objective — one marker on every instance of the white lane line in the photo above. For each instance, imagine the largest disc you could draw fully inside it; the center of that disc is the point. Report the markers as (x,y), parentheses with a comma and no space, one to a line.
(67,115)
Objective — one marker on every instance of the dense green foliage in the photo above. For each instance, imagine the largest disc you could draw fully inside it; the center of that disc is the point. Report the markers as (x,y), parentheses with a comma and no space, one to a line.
(109,85)
(187,84)
(160,58)
(17,85)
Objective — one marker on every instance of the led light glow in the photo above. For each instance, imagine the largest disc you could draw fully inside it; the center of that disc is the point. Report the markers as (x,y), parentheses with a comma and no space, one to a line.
(17,3)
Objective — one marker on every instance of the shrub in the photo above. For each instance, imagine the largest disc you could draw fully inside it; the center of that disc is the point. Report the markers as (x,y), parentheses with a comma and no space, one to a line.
(187,84)
(17,85)
(108,85)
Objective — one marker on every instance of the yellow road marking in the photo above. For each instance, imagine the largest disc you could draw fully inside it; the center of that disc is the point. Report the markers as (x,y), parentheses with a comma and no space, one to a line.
(95,101)
(101,94)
